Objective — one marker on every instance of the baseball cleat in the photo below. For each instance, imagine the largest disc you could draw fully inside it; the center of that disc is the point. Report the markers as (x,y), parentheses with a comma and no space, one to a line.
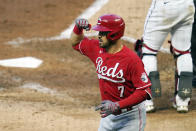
(182,109)
(149,106)
(181,105)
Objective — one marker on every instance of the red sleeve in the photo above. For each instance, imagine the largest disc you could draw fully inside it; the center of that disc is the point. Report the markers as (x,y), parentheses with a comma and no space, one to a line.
(137,97)
(88,47)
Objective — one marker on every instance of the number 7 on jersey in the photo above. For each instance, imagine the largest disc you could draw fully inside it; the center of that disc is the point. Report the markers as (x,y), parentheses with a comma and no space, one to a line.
(121,89)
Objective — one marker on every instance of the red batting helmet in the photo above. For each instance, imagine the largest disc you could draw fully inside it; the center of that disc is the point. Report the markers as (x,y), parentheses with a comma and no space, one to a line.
(114,24)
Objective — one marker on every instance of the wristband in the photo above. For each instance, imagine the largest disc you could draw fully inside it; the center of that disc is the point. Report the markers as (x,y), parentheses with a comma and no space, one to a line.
(77,31)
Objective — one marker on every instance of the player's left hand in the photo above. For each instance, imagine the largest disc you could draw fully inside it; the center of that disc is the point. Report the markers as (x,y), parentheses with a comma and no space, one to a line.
(107,107)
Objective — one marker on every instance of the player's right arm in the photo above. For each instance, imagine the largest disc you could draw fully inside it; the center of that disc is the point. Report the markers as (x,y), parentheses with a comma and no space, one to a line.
(77,34)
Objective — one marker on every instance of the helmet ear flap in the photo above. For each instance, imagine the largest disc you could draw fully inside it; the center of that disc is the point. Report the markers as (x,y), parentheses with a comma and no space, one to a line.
(115,35)
(112,36)
(109,36)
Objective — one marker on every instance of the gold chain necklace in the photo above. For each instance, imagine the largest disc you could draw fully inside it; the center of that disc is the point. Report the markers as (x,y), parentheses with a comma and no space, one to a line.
(119,49)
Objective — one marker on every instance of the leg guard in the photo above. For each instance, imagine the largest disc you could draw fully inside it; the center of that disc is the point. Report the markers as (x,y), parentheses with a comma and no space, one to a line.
(184,73)
(156,85)
(184,87)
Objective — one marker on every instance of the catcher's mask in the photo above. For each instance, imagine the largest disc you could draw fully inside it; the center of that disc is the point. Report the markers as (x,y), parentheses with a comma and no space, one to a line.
(111,23)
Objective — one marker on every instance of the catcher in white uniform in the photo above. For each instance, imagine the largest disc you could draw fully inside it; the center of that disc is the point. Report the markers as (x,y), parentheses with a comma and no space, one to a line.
(175,17)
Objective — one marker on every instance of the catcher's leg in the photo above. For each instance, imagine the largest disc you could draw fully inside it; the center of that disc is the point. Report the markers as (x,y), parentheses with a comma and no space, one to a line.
(183,76)
(150,64)
(155,32)
(181,43)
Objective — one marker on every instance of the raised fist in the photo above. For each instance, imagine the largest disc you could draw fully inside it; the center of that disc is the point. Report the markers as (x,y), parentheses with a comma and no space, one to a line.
(83,24)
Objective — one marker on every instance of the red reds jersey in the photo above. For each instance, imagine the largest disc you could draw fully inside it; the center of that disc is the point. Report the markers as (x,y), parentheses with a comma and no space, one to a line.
(119,74)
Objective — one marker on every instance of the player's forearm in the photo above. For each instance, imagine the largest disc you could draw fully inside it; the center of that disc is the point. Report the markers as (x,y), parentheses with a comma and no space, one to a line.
(137,97)
(76,36)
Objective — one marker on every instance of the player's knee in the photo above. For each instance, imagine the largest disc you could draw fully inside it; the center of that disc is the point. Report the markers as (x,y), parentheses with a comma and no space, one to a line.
(156,85)
(150,63)
(185,84)
(150,60)
(184,63)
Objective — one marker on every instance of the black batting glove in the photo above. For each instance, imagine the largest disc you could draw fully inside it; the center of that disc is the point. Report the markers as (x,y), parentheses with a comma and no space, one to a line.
(107,107)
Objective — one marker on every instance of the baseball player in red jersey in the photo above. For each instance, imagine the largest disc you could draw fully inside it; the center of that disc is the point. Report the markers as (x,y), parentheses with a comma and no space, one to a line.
(124,84)
(175,17)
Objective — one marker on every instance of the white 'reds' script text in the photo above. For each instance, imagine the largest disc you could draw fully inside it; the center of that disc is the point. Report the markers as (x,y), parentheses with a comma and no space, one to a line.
(104,71)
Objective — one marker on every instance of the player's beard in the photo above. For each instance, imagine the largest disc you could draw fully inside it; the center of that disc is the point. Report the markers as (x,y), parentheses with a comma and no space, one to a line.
(107,44)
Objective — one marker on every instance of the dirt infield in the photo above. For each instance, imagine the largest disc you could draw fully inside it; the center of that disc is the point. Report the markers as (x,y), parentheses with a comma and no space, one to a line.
(70,79)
